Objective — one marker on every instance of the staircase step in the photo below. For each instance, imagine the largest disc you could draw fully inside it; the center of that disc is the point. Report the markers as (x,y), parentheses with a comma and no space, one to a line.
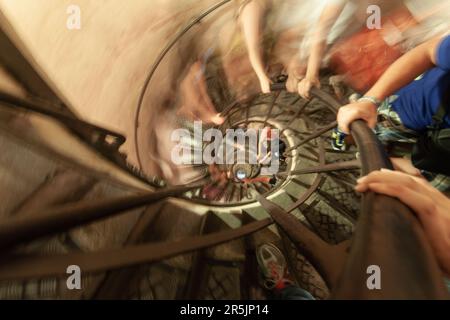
(229,219)
(215,272)
(285,202)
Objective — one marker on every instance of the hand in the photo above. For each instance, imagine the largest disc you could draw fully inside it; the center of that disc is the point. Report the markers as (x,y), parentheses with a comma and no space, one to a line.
(196,103)
(431,206)
(364,110)
(292,82)
(304,87)
(296,72)
(217,119)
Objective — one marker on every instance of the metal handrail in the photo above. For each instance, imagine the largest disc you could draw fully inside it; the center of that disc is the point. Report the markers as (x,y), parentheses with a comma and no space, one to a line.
(19,229)
(67,120)
(392,239)
(388,235)
(93,135)
(15,267)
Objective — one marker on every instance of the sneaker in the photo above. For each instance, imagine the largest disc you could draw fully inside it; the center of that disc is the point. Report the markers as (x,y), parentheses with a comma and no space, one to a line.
(338,140)
(272,265)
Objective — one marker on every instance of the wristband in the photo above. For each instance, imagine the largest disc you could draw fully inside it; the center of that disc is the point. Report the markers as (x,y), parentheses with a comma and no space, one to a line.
(373,100)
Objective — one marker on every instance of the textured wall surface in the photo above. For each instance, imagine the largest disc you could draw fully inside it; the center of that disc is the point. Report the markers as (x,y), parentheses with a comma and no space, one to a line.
(101,67)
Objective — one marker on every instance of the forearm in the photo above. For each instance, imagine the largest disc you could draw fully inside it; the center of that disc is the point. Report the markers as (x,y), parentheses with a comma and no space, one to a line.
(405,70)
(251,27)
(315,59)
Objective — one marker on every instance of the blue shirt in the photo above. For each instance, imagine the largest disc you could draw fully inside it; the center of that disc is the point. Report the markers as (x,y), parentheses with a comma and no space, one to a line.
(417,103)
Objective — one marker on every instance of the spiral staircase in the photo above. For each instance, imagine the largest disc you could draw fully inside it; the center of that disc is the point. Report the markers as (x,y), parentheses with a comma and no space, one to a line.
(76,200)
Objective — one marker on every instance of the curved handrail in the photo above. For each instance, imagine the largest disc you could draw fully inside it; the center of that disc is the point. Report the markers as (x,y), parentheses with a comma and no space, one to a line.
(67,120)
(388,235)
(95,136)
(59,219)
(392,240)
(15,267)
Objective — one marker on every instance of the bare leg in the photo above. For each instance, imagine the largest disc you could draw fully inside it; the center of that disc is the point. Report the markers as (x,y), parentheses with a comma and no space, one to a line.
(251,26)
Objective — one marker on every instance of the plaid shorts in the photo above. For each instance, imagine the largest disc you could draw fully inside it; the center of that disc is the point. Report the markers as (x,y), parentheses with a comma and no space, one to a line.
(390,129)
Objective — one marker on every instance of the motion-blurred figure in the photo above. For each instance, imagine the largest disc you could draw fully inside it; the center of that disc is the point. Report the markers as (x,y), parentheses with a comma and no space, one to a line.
(268,34)
(345,17)
(196,103)
(342,41)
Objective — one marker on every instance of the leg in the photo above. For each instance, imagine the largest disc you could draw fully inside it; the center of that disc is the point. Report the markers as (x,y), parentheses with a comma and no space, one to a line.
(390,128)
(251,23)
